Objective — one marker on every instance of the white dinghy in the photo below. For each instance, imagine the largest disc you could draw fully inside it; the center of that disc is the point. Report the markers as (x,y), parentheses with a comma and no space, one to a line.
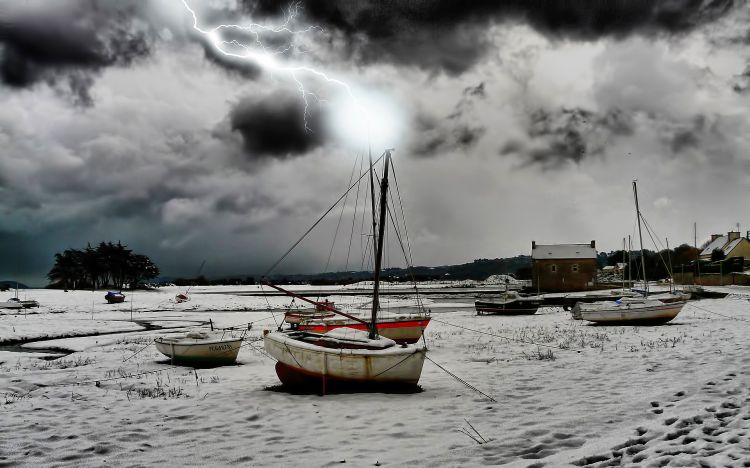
(200,348)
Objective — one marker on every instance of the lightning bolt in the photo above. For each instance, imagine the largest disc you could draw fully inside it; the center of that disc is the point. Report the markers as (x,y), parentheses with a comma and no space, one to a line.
(269,58)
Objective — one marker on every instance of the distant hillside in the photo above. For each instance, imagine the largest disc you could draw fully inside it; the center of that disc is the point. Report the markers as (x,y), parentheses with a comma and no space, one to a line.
(477,270)
(11,285)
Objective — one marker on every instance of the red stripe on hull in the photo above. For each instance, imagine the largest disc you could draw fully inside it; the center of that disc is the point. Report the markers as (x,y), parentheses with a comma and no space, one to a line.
(418,326)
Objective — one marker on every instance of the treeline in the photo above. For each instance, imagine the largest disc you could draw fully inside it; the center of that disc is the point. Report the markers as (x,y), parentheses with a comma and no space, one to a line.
(682,259)
(203,281)
(107,265)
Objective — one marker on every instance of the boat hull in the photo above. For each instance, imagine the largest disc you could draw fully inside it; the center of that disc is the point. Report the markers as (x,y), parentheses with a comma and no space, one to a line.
(204,354)
(514,308)
(11,305)
(402,331)
(623,315)
(114,298)
(311,368)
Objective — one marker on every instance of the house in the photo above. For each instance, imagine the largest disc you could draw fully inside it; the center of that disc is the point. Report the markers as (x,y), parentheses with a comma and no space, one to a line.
(732,245)
(563,267)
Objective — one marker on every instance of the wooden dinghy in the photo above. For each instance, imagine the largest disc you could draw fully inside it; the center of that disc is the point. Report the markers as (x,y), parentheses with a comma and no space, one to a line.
(200,348)
(344,359)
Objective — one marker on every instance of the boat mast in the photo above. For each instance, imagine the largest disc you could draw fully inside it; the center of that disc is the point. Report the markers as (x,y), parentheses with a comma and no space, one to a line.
(623,265)
(630,263)
(671,274)
(697,252)
(640,236)
(379,251)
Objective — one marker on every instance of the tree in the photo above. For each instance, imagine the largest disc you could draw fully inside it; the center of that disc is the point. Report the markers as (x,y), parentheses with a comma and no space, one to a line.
(106,265)
(717,255)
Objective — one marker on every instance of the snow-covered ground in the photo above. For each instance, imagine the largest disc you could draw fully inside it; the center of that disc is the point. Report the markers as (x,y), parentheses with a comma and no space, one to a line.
(675,395)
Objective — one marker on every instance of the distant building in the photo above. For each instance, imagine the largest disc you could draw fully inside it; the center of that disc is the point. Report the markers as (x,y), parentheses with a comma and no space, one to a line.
(563,267)
(732,245)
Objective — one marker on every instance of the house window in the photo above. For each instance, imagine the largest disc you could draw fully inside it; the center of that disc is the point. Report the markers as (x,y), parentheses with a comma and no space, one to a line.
(574,268)
(553,268)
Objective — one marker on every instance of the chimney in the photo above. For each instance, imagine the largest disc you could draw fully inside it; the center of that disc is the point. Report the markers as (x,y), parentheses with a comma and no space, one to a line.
(593,244)
(533,243)
(714,237)
(733,235)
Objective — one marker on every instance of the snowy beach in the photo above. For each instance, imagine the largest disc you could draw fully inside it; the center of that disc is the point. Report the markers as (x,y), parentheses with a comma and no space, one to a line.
(89,389)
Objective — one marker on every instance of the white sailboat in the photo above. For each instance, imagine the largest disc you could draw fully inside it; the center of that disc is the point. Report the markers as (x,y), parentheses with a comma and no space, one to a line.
(629,311)
(345,358)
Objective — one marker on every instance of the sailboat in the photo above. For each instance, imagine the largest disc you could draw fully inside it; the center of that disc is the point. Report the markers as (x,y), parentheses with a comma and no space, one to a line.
(346,358)
(629,310)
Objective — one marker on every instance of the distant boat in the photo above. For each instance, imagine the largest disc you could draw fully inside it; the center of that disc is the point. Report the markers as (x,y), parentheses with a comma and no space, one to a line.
(510,303)
(114,297)
(347,358)
(11,304)
(201,348)
(26,304)
(626,310)
(180,298)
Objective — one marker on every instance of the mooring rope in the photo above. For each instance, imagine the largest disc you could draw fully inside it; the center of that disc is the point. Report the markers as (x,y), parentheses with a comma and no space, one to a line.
(720,315)
(506,337)
(459,379)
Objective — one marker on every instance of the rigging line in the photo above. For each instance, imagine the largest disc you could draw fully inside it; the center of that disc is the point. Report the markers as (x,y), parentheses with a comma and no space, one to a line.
(505,337)
(354,218)
(315,224)
(341,215)
(269,306)
(400,362)
(720,315)
(459,379)
(409,268)
(648,231)
(410,261)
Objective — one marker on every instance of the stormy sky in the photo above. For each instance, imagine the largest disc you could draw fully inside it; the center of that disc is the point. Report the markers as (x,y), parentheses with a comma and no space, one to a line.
(512,121)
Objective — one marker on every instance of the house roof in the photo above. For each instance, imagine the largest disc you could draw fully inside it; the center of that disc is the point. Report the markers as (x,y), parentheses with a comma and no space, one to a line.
(717,243)
(563,251)
(730,246)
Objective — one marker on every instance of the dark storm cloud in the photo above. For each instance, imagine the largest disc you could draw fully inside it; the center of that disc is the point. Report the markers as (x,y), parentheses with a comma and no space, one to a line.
(742,82)
(434,135)
(568,135)
(274,125)
(444,35)
(64,43)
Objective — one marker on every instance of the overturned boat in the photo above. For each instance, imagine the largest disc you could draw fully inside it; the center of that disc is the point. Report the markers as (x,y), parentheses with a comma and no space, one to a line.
(114,297)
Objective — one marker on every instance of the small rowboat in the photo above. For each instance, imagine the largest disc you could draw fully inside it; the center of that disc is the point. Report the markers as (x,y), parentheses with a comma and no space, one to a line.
(510,304)
(296,316)
(179,298)
(200,348)
(114,297)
